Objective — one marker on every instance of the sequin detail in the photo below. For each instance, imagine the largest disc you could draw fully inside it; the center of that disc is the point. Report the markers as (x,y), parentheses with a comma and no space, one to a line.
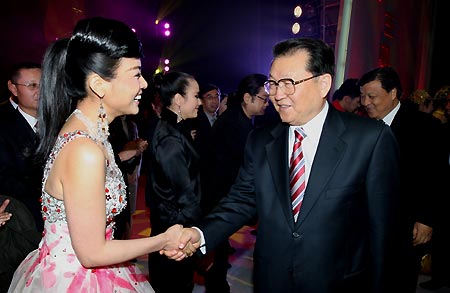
(115,189)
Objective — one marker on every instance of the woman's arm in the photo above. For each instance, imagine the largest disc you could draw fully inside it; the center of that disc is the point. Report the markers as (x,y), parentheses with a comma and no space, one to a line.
(83,181)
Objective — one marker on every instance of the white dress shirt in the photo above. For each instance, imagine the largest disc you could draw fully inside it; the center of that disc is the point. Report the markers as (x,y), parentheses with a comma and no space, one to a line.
(313,130)
(391,115)
(14,104)
(211,117)
(30,119)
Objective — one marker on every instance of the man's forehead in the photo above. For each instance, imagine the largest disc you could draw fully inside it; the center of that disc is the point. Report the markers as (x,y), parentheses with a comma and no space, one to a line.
(210,93)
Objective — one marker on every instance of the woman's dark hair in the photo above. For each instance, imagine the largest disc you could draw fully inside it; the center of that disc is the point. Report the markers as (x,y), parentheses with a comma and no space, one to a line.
(96,46)
(250,84)
(169,84)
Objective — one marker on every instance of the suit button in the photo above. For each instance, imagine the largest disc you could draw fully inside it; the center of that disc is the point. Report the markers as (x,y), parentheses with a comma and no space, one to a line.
(295,235)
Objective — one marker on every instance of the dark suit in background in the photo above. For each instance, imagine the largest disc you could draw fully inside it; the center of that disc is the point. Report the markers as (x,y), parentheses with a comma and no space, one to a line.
(17,238)
(228,137)
(118,139)
(203,145)
(203,132)
(20,177)
(421,163)
(6,108)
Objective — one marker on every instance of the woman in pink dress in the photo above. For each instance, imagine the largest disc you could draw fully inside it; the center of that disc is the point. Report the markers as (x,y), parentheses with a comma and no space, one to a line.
(87,81)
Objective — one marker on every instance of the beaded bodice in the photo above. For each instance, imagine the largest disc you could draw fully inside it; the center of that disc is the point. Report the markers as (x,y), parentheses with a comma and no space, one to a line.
(53,209)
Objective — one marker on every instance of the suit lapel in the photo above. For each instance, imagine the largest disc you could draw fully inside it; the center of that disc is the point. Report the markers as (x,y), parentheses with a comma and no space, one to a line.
(277,155)
(23,127)
(328,154)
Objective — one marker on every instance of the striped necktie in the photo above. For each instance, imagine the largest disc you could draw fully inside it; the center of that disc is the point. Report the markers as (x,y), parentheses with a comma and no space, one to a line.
(297,173)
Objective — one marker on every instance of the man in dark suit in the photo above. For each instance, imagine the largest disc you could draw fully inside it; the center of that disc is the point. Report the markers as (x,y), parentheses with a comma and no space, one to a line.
(422,162)
(7,107)
(20,177)
(202,124)
(228,137)
(127,148)
(340,241)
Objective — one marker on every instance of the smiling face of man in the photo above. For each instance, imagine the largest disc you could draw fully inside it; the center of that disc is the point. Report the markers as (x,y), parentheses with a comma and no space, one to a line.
(308,97)
(377,101)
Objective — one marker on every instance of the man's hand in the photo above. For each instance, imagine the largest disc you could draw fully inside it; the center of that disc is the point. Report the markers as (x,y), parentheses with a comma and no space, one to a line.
(4,216)
(188,243)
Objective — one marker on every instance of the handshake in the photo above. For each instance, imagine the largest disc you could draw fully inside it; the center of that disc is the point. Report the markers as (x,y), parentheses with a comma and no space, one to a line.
(180,242)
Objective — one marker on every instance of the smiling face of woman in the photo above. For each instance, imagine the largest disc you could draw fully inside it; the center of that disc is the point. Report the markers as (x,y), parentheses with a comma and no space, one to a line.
(190,101)
(124,91)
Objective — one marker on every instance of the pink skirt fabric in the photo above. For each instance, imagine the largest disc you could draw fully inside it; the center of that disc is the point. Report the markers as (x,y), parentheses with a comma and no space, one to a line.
(54,267)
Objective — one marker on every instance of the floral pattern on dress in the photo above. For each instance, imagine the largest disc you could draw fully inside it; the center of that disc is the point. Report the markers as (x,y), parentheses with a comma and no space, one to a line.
(54,267)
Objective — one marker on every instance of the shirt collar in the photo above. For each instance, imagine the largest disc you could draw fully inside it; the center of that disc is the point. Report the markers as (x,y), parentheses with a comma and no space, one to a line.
(30,119)
(211,117)
(313,128)
(13,103)
(390,116)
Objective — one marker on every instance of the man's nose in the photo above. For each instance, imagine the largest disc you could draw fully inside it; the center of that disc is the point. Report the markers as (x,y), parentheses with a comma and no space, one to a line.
(364,101)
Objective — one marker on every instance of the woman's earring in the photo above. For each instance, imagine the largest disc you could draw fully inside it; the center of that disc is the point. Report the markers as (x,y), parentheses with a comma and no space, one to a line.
(179,116)
(102,122)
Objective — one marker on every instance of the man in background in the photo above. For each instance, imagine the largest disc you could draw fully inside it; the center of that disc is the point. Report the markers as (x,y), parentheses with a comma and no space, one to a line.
(20,177)
(346,97)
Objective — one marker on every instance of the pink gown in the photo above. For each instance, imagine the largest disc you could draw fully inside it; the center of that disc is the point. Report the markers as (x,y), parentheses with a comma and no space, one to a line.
(54,266)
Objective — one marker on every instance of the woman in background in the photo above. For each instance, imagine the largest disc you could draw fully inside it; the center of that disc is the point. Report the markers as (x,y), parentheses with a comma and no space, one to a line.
(174,194)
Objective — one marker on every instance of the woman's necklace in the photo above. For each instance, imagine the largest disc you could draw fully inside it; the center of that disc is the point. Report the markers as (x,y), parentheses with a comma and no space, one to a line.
(96,133)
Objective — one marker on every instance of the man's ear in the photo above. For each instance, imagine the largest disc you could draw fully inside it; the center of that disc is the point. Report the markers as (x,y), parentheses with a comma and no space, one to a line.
(97,85)
(324,84)
(393,93)
(12,88)
(247,98)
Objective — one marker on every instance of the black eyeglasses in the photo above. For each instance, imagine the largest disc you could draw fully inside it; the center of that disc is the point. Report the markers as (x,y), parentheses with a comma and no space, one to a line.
(31,86)
(266,100)
(271,86)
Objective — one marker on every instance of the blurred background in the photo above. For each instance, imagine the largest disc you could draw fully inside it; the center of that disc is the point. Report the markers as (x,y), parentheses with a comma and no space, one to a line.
(221,41)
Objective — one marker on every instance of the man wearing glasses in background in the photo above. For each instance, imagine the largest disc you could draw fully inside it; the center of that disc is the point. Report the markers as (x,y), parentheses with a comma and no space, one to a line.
(326,212)
(19,176)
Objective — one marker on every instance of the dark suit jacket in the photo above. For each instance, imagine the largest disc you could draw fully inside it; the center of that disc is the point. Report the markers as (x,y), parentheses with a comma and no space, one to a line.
(20,177)
(174,176)
(342,239)
(422,159)
(228,136)
(18,237)
(6,108)
(203,134)
(203,145)
(119,138)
